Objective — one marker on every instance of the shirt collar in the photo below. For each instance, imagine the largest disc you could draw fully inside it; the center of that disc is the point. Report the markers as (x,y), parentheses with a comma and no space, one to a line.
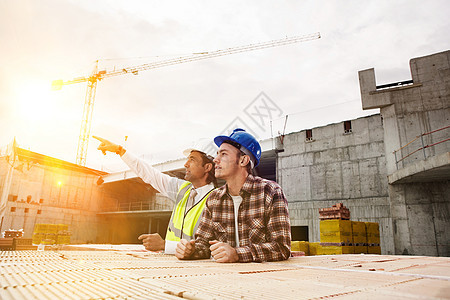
(203,190)
(248,184)
(245,190)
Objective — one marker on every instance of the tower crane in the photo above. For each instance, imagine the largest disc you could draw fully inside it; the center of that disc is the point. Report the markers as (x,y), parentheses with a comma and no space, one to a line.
(97,76)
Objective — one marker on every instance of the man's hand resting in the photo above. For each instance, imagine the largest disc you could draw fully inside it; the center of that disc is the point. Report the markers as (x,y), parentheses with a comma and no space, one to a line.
(152,241)
(223,252)
(185,249)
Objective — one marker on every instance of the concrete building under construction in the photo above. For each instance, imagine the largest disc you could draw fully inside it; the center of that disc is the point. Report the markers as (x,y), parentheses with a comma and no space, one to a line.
(392,168)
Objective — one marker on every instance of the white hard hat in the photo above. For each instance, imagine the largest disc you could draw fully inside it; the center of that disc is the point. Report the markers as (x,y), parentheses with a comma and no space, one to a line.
(188,151)
(205,146)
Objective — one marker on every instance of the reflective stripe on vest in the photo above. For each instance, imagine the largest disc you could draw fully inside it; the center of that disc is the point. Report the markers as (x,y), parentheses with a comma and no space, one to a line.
(183,224)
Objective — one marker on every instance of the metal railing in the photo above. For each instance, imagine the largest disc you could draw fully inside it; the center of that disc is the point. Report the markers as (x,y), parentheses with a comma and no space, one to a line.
(136,206)
(423,147)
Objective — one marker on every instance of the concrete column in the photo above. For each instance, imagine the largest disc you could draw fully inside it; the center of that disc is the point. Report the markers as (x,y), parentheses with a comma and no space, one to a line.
(369,97)
(391,138)
(400,220)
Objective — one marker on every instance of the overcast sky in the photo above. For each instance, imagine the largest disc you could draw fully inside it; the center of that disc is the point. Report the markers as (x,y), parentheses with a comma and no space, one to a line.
(163,111)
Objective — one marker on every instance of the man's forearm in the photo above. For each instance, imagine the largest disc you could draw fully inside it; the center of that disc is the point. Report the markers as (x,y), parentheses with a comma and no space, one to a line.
(163,183)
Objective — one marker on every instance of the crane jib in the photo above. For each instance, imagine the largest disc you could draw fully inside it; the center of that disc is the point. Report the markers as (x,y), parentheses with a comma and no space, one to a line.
(99,75)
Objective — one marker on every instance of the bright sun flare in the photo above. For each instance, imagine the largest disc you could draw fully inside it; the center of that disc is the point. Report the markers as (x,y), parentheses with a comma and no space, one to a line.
(35,101)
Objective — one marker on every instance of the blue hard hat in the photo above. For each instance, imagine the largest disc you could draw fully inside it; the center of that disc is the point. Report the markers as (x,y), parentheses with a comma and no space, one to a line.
(246,140)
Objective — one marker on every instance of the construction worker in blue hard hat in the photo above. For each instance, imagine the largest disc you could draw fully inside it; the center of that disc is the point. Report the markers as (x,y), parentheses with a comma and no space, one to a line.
(189,195)
(247,219)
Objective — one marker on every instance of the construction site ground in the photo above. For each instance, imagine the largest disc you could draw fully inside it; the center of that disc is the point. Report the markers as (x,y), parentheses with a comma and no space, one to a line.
(128,272)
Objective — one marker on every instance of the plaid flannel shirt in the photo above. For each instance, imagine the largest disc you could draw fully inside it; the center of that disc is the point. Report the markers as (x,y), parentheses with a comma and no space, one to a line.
(263,221)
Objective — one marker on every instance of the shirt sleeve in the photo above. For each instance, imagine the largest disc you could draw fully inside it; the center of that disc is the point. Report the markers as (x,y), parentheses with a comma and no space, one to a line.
(279,230)
(170,247)
(163,183)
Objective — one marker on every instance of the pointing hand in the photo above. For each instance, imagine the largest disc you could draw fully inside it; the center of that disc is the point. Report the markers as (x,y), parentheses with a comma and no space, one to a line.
(107,146)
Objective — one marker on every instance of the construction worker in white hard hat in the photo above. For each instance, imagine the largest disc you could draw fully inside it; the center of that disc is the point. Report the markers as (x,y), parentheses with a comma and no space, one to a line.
(189,195)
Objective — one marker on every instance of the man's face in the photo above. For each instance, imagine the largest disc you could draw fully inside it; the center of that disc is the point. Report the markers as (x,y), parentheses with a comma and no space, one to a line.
(227,162)
(194,168)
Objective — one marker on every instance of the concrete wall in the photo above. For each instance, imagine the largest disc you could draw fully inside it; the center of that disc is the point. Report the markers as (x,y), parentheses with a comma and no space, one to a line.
(337,167)
(56,195)
(43,194)
(411,110)
(421,214)
(420,208)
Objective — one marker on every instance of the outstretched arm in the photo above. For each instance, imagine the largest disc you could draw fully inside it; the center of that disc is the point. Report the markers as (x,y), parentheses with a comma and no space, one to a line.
(168,186)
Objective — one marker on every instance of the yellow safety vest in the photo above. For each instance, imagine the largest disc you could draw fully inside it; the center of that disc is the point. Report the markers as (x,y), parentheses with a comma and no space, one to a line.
(182,224)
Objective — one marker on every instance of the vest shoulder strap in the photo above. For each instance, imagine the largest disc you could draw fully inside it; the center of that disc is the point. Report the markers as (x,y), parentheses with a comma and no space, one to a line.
(182,191)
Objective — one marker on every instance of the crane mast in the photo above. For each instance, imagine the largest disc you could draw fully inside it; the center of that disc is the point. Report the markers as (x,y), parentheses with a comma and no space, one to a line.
(85,130)
(96,76)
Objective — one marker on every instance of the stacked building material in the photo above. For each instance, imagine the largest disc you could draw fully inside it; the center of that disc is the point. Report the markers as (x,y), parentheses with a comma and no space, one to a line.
(359,237)
(39,233)
(336,233)
(373,238)
(337,211)
(335,237)
(63,237)
(329,250)
(6,244)
(23,244)
(50,234)
(300,246)
(125,274)
(13,233)
(315,249)
(340,235)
